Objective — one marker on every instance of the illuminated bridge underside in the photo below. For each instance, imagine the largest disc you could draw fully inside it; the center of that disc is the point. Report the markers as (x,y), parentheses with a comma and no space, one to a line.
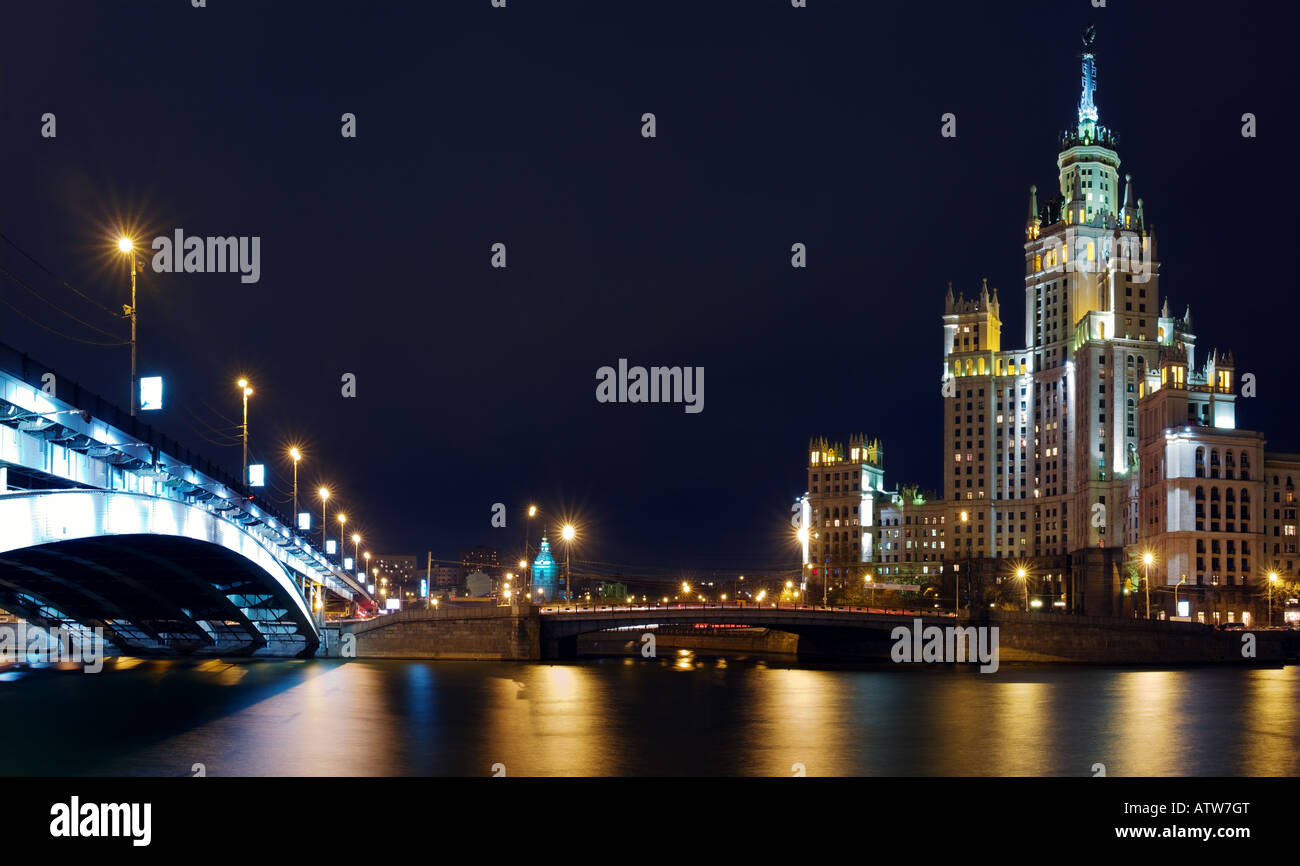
(159,576)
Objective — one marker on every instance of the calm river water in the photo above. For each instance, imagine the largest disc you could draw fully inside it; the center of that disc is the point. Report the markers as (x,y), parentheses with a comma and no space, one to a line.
(682,714)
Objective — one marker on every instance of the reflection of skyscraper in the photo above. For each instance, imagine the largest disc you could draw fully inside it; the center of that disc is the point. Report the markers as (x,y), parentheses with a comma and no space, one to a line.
(544,572)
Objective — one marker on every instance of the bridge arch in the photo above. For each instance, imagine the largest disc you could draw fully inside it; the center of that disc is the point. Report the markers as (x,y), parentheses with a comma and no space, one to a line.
(159,575)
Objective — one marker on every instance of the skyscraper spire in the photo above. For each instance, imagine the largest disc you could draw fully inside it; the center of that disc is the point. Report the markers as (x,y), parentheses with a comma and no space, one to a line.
(1087,107)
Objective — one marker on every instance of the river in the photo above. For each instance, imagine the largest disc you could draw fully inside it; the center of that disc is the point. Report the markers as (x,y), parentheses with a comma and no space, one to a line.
(683,714)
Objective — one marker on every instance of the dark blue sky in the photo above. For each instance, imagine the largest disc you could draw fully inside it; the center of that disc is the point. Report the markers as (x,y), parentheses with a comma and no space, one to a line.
(478,125)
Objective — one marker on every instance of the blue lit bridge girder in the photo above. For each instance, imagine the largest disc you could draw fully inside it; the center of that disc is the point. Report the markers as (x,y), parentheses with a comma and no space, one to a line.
(105,523)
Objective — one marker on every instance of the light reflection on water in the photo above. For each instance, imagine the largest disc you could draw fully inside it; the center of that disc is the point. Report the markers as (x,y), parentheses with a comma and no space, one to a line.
(681,714)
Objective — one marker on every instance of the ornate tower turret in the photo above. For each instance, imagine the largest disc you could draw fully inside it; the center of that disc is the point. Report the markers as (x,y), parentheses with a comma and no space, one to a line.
(1034,223)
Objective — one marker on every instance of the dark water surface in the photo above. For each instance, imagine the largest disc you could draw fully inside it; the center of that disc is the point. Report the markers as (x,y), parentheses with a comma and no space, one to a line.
(685,714)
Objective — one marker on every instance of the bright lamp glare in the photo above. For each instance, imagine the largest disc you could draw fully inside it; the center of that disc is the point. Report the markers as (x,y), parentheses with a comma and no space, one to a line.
(125,245)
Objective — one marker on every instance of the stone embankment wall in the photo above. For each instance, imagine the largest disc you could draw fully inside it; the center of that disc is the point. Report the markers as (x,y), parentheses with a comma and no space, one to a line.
(489,633)
(1037,637)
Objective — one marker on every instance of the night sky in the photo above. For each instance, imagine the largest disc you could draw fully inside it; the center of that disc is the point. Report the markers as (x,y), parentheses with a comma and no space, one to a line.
(522,125)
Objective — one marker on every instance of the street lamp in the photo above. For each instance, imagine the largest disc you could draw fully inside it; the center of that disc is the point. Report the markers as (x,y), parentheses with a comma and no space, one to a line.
(872,586)
(343,522)
(1180,582)
(126,245)
(296,455)
(1272,579)
(356,547)
(567,533)
(324,526)
(1147,559)
(1023,577)
(247,392)
(523,563)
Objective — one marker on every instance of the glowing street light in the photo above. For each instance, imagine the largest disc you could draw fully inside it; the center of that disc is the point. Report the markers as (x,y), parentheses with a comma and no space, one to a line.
(247,392)
(567,533)
(1273,579)
(1023,577)
(343,522)
(324,494)
(295,455)
(356,546)
(127,246)
(523,563)
(1147,559)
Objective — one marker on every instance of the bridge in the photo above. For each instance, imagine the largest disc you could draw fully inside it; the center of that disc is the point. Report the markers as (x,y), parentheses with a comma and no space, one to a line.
(822,631)
(105,523)
(527,632)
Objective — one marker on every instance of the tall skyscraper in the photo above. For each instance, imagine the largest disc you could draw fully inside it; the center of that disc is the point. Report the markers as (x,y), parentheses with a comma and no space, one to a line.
(1078,454)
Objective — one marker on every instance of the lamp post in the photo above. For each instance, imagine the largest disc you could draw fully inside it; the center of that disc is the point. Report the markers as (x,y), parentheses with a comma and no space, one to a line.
(1023,577)
(1147,559)
(127,246)
(872,586)
(247,392)
(1272,579)
(324,525)
(343,522)
(956,578)
(296,455)
(356,547)
(524,580)
(1180,582)
(567,533)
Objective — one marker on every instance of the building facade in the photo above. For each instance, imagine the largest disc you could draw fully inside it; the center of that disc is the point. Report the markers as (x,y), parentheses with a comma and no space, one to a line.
(1099,458)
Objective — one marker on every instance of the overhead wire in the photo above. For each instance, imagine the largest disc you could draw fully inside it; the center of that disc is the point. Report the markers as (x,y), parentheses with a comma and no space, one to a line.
(55,277)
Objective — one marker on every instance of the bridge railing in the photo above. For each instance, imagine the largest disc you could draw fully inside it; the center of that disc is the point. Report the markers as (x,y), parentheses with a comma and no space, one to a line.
(146,454)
